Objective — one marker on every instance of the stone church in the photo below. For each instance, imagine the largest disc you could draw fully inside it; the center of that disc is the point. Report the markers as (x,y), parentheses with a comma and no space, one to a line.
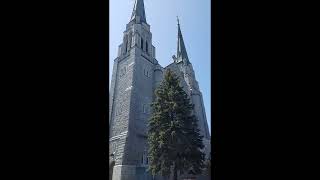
(136,74)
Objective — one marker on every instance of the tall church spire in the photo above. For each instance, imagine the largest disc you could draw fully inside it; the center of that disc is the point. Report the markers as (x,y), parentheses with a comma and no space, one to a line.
(138,13)
(181,49)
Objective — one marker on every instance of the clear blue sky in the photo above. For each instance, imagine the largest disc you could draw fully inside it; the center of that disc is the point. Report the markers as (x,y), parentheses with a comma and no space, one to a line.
(161,15)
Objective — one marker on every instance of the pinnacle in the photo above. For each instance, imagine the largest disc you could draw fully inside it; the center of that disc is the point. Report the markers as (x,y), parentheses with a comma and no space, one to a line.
(138,13)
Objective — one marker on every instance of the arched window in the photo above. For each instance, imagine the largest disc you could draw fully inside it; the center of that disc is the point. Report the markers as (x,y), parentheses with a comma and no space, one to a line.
(126,46)
(144,158)
(146,72)
(144,108)
(147,46)
(129,41)
(141,43)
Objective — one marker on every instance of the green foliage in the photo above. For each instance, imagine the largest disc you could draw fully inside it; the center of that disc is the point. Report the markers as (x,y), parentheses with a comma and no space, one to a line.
(174,138)
(208,166)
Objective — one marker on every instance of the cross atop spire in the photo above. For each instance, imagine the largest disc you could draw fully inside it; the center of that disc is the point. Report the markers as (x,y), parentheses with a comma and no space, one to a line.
(138,13)
(181,49)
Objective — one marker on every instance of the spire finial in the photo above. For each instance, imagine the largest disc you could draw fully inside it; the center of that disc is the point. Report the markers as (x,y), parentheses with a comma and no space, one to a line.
(138,11)
(181,49)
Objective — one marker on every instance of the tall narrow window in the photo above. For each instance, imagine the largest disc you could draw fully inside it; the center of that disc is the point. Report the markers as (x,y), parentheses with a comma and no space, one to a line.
(141,43)
(129,41)
(144,108)
(147,47)
(126,46)
(142,159)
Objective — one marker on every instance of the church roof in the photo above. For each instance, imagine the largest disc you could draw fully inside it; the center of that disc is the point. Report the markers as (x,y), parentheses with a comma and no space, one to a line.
(181,49)
(138,11)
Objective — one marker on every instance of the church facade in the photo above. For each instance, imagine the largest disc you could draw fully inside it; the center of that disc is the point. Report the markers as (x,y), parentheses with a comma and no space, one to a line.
(136,74)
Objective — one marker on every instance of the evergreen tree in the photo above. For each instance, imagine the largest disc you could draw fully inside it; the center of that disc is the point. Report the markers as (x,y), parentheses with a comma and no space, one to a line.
(208,165)
(174,139)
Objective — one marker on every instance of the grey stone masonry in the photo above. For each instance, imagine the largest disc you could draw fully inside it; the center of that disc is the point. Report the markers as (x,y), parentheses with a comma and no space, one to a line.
(136,74)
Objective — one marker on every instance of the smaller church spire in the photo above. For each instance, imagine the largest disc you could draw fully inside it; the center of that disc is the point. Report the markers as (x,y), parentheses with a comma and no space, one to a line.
(178,21)
(138,12)
(181,49)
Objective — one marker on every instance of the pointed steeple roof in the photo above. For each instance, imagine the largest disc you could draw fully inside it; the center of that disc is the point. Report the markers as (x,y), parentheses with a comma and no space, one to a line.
(138,12)
(181,49)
